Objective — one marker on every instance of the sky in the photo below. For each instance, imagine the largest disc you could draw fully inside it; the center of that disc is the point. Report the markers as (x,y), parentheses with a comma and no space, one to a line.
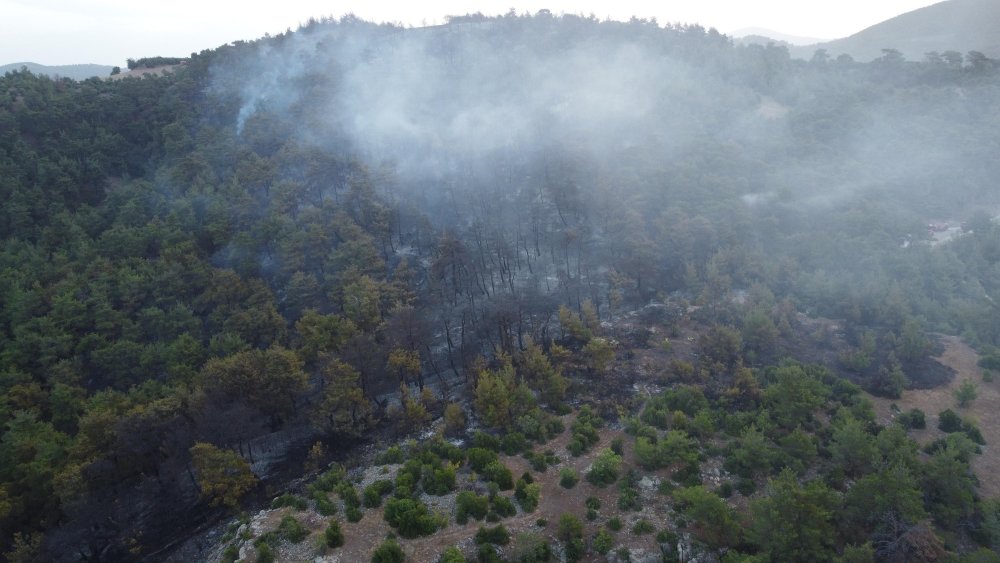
(57,32)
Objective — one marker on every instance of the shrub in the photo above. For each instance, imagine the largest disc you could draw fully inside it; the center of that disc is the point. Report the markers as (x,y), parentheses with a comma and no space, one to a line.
(265,554)
(487,554)
(949,422)
(568,477)
(746,486)
(454,419)
(591,514)
(569,527)
(410,517)
(333,536)
(618,445)
(393,455)
(527,495)
(499,474)
(592,503)
(451,555)
(470,504)
(294,501)
(643,526)
(615,524)
(485,441)
(513,443)
(503,506)
(479,458)
(530,547)
(912,419)
(324,505)
(292,530)
(725,490)
(373,493)
(603,542)
(497,535)
(574,549)
(353,514)
(388,552)
(605,468)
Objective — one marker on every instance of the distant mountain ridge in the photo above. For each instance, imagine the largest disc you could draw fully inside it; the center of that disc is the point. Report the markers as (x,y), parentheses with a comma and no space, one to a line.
(956,25)
(76,72)
(755,34)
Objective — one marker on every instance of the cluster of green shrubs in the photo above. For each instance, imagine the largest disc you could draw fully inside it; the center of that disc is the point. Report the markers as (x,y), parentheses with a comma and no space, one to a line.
(410,517)
(288,499)
(584,430)
(672,407)
(541,461)
(372,495)
(950,422)
(527,493)
(323,485)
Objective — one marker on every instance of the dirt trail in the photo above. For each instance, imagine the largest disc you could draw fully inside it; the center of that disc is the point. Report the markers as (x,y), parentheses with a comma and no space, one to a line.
(985,410)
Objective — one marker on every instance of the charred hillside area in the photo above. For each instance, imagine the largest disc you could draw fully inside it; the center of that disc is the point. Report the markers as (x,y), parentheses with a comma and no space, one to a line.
(608,290)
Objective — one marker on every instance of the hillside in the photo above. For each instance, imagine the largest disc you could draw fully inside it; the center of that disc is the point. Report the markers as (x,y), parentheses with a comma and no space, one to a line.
(256,273)
(953,25)
(76,72)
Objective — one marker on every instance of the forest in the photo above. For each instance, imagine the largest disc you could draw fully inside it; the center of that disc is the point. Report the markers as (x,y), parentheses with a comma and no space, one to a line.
(221,279)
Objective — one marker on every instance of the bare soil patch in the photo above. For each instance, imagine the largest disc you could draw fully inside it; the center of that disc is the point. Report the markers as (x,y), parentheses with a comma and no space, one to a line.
(985,410)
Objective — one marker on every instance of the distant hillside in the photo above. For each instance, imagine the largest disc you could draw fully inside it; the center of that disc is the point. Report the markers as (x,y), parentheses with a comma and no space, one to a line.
(958,25)
(76,72)
(758,34)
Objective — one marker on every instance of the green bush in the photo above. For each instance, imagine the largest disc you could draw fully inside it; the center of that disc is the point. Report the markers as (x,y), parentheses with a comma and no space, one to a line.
(513,443)
(592,503)
(497,535)
(287,499)
(265,553)
(603,542)
(410,517)
(353,514)
(912,419)
(568,477)
(746,486)
(486,441)
(574,549)
(527,495)
(487,554)
(615,524)
(470,504)
(948,421)
(393,455)
(292,530)
(725,490)
(388,552)
(530,547)
(479,458)
(643,526)
(333,536)
(605,468)
(451,555)
(503,506)
(569,527)
(324,505)
(373,493)
(498,473)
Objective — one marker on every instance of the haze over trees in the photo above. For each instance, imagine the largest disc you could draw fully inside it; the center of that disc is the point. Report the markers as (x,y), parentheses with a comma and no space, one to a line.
(314,236)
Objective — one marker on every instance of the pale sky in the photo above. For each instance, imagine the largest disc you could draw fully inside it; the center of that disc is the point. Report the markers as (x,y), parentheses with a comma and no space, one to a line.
(56,32)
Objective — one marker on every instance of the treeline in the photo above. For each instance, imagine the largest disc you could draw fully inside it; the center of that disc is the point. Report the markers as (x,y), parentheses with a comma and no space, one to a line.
(153,62)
